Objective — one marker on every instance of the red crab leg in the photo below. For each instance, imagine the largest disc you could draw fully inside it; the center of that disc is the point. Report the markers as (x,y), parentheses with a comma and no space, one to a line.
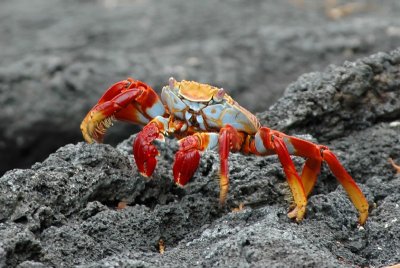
(188,156)
(264,143)
(294,181)
(310,173)
(307,149)
(229,140)
(128,100)
(354,192)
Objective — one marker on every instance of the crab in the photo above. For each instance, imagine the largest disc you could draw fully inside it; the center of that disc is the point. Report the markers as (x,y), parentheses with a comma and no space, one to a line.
(203,117)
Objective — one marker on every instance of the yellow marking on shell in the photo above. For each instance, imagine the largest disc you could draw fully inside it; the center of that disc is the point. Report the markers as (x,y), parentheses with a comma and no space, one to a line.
(195,91)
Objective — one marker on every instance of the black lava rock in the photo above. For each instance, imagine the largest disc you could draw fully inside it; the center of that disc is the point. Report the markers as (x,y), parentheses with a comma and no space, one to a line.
(66,211)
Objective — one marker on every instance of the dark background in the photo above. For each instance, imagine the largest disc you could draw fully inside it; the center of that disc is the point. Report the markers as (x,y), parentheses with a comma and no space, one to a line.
(58,57)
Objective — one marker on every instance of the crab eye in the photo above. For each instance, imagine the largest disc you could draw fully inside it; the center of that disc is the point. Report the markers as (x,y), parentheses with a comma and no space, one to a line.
(171,82)
(219,96)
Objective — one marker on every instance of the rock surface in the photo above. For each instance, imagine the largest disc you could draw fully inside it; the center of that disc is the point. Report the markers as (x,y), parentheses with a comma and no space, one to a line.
(63,211)
(58,57)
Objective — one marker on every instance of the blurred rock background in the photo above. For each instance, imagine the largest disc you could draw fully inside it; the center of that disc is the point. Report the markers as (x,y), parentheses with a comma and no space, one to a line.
(58,57)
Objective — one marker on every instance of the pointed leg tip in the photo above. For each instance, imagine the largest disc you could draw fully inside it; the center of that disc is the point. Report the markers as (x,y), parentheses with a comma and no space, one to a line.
(362,219)
(239,208)
(222,199)
(297,213)
(292,214)
(395,166)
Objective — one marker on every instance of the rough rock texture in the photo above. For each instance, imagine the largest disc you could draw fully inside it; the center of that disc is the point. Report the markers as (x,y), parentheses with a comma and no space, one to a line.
(57,57)
(63,211)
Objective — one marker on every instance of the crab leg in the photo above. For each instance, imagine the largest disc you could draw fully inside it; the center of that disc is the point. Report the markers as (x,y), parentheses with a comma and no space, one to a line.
(128,100)
(294,180)
(354,192)
(319,152)
(310,173)
(188,156)
(229,140)
(267,140)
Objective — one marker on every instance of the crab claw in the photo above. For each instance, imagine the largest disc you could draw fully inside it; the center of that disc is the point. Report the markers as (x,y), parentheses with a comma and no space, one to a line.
(144,151)
(129,100)
(185,165)
(102,115)
(187,160)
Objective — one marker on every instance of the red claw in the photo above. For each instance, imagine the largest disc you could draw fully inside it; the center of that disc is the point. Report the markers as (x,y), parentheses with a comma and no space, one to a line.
(144,151)
(187,160)
(185,165)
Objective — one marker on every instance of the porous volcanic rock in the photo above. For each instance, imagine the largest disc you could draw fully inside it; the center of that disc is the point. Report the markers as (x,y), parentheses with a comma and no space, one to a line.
(66,211)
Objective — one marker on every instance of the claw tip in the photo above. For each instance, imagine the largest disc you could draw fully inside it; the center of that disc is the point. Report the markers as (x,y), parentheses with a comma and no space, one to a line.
(179,184)
(144,174)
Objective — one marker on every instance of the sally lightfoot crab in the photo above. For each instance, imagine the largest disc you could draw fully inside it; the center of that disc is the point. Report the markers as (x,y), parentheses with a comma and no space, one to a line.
(204,117)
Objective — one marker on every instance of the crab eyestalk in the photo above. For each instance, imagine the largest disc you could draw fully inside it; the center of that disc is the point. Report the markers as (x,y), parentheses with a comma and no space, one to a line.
(219,96)
(171,82)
